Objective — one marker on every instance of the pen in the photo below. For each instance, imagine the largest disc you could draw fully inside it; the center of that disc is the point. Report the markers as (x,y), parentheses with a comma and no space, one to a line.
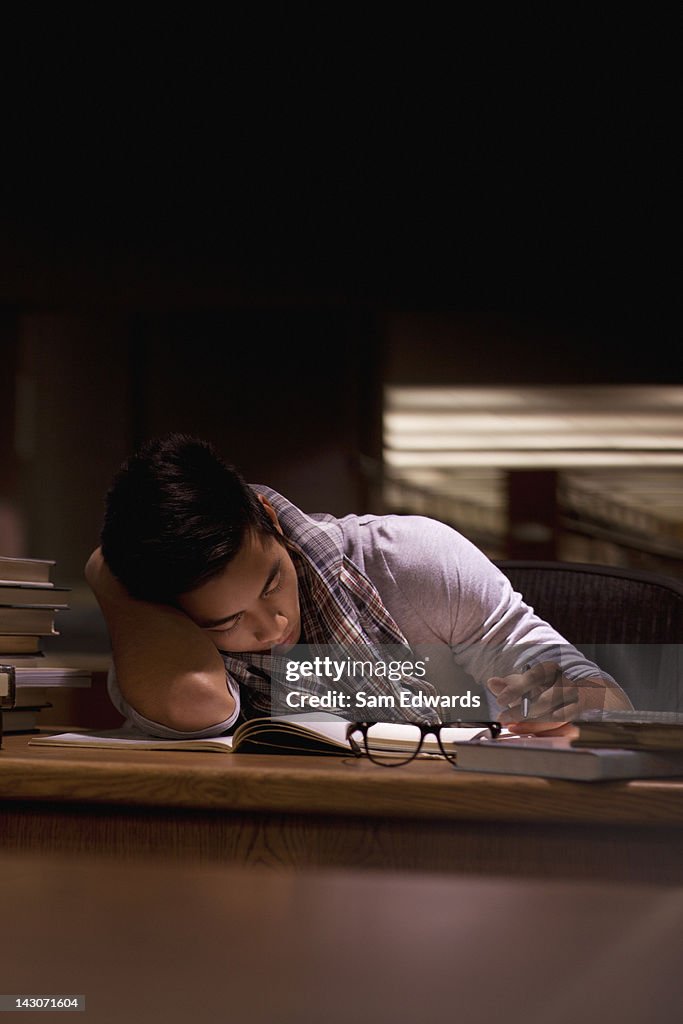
(525,698)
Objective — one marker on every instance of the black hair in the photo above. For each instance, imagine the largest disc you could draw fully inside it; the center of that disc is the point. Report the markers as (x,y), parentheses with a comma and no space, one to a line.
(175,515)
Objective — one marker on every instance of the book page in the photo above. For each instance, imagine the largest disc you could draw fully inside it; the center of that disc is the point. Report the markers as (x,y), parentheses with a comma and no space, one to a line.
(128,739)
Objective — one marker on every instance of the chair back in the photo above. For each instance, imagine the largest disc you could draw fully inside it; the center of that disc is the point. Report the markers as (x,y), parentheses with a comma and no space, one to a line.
(629,621)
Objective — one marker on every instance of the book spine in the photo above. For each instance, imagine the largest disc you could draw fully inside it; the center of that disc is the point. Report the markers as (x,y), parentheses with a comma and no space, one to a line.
(7,692)
(8,684)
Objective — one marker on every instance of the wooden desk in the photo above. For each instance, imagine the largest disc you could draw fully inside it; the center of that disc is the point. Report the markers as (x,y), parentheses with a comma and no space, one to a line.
(327,811)
(208,943)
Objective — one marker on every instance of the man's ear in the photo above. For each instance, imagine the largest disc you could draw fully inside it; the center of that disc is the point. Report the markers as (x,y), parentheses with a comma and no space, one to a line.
(272,514)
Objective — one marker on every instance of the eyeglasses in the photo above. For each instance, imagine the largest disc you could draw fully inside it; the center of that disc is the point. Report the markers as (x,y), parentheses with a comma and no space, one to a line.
(371,738)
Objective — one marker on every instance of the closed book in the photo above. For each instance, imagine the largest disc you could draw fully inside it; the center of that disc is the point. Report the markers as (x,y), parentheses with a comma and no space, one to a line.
(7,686)
(34,594)
(31,697)
(24,660)
(24,720)
(557,758)
(51,676)
(28,619)
(25,643)
(25,688)
(631,730)
(25,570)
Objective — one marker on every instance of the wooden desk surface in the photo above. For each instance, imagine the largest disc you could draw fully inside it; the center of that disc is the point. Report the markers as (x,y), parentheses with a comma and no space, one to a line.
(178,943)
(307,812)
(429,789)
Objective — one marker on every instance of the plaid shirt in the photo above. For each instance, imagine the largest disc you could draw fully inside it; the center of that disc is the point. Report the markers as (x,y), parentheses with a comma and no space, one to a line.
(340,606)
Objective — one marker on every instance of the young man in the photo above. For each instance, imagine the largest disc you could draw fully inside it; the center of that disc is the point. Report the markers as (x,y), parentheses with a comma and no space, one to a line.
(200,576)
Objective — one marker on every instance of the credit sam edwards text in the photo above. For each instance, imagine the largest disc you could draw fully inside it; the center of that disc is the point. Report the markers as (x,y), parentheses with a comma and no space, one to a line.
(336,670)
(336,699)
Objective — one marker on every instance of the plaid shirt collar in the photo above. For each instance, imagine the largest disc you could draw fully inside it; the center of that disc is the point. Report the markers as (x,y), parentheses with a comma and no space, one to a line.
(339,605)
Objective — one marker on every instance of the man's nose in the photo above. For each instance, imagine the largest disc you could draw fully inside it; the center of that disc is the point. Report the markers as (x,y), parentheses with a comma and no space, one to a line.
(269,627)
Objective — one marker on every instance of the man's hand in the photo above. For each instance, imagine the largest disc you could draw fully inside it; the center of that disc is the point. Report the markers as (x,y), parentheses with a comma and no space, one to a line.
(542,700)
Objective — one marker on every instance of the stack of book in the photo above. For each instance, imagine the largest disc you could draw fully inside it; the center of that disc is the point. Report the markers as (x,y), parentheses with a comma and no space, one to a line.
(29,605)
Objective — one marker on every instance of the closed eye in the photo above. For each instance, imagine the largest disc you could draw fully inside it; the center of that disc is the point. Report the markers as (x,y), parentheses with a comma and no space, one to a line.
(274,589)
(272,585)
(226,627)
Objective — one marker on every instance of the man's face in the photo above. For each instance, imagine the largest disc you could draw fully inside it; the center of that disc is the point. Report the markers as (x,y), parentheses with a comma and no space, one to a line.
(254,604)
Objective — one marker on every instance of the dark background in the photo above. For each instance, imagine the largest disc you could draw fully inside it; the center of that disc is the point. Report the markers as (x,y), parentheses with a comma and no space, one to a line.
(246,239)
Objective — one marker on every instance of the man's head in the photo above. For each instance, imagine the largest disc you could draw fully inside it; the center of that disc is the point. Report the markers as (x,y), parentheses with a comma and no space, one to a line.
(176,515)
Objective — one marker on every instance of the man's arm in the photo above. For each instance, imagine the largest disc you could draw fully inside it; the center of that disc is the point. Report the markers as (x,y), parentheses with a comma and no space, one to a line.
(167,669)
(442,588)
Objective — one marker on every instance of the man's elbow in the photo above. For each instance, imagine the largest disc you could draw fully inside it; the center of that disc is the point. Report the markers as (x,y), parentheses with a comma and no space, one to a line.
(617,700)
(190,705)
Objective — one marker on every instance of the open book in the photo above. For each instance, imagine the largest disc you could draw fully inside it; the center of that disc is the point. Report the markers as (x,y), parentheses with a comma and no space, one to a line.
(281,735)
